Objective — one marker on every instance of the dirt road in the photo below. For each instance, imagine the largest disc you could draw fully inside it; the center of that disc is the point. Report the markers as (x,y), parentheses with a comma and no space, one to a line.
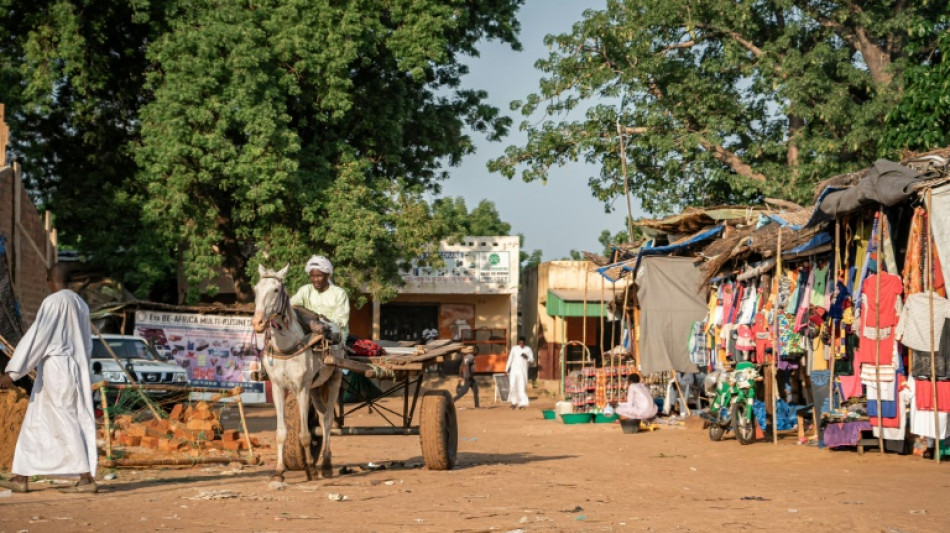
(517,471)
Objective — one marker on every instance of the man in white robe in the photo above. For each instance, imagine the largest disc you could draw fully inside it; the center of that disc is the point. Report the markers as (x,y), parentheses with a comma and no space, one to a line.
(639,404)
(519,359)
(58,436)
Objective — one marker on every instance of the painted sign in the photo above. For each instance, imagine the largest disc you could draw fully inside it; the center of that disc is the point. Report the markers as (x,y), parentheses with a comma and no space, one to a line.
(215,350)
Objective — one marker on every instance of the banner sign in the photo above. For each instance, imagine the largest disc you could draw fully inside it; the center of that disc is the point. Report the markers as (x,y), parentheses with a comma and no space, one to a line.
(464,267)
(215,350)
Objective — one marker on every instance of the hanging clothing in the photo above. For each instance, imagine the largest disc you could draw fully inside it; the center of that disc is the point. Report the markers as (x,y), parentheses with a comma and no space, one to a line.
(819,286)
(914,325)
(747,305)
(519,359)
(58,436)
(921,421)
(903,400)
(924,396)
(879,316)
(763,337)
(921,359)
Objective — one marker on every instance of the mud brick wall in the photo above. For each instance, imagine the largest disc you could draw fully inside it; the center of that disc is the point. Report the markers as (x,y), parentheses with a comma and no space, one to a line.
(27,267)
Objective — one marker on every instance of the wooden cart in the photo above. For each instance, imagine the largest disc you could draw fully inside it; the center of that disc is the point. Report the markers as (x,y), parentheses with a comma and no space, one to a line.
(404,370)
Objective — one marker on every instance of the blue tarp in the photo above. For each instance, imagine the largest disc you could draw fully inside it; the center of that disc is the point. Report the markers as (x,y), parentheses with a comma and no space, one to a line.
(662,250)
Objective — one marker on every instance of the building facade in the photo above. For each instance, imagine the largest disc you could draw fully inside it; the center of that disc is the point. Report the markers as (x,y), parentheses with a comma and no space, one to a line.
(473,296)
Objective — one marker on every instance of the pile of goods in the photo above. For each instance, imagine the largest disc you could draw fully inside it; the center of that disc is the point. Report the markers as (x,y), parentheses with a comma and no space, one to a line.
(192,428)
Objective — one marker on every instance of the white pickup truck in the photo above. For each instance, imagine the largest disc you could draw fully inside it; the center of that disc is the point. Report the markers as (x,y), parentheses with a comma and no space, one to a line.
(138,358)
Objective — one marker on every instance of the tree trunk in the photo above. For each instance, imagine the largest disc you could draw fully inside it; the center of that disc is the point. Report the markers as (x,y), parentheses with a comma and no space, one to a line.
(235,264)
(795,123)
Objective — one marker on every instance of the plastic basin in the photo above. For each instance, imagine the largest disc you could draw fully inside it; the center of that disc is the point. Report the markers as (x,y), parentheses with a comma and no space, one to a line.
(604,419)
(548,414)
(576,418)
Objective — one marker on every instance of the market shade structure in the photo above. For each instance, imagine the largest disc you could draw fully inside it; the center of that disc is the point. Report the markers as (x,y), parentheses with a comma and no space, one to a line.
(671,299)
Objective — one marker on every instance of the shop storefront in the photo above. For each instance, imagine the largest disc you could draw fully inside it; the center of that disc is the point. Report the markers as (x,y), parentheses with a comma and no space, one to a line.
(473,297)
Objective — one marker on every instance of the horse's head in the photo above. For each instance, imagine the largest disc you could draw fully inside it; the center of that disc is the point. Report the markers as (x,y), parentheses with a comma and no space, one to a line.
(270,297)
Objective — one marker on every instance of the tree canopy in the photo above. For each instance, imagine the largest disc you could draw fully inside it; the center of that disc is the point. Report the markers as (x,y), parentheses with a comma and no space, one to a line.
(226,133)
(720,101)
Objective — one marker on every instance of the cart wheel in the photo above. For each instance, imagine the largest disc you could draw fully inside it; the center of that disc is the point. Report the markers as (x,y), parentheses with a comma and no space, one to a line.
(293,455)
(438,430)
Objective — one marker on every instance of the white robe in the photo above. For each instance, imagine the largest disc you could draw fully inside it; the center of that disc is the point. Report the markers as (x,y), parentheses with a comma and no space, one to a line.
(58,436)
(517,369)
(639,404)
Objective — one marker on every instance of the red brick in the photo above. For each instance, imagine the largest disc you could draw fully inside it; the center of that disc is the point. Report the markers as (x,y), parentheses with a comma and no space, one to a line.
(149,442)
(230,434)
(131,440)
(157,433)
(136,430)
(233,445)
(177,412)
(171,445)
(185,434)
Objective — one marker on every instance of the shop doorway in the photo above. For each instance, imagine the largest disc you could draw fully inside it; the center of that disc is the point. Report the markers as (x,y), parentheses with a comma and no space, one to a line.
(406,322)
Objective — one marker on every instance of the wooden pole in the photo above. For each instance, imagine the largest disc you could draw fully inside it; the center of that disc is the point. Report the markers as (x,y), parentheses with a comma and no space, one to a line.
(877,327)
(247,436)
(626,183)
(603,299)
(773,365)
(933,364)
(107,422)
(584,325)
(834,336)
(128,376)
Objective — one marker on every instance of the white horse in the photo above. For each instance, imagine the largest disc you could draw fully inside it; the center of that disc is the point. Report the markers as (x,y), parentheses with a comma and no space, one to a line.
(292,365)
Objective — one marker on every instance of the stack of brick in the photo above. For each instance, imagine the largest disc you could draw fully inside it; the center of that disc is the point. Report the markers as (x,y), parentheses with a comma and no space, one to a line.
(187,428)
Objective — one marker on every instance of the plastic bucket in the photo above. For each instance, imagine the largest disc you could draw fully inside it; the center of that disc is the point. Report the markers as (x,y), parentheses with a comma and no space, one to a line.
(630,425)
(548,414)
(576,418)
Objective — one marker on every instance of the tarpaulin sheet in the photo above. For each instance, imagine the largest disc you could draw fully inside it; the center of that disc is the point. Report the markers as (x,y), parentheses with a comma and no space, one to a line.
(886,183)
(668,289)
(661,250)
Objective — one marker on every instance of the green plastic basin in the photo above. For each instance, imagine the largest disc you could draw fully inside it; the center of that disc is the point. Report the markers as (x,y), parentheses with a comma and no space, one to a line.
(548,414)
(576,418)
(604,419)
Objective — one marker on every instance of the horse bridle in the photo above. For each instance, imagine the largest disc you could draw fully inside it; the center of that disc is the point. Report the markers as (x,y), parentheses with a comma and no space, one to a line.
(281,313)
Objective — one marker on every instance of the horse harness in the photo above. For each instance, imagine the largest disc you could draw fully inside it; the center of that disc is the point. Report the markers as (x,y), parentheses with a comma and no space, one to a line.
(281,312)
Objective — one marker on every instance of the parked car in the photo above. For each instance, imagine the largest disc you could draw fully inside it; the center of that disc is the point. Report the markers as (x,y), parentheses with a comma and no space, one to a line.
(138,358)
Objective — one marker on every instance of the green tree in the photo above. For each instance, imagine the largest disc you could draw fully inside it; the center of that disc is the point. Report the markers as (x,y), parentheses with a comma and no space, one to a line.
(452,219)
(251,131)
(720,100)
(72,77)
(922,119)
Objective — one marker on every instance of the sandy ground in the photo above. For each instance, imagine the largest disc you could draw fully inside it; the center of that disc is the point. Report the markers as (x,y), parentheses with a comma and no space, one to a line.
(517,471)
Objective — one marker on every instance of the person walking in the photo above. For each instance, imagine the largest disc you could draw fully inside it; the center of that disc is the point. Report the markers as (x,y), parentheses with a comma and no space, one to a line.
(58,436)
(467,379)
(519,359)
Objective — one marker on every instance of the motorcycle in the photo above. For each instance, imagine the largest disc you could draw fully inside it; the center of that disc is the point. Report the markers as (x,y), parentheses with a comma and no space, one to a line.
(734,395)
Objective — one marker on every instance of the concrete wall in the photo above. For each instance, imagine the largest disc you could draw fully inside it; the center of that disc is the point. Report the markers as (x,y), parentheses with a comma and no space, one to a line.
(29,249)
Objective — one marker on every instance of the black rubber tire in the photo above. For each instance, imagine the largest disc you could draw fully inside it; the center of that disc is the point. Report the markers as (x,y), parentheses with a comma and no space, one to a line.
(745,434)
(293,454)
(438,430)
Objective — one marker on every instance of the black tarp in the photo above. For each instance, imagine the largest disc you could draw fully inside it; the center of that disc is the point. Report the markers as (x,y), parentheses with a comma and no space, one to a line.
(886,183)
(10,326)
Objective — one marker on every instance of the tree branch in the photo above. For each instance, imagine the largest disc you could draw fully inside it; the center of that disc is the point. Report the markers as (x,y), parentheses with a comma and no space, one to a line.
(733,161)
(747,44)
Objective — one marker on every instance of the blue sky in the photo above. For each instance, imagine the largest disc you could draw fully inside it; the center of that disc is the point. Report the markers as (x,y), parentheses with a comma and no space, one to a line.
(563,214)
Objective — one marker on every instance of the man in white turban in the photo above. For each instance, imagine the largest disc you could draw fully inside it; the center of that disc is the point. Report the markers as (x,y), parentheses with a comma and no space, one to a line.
(58,436)
(323,297)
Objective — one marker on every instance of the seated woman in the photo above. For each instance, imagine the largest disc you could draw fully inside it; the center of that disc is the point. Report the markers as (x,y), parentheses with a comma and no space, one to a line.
(639,404)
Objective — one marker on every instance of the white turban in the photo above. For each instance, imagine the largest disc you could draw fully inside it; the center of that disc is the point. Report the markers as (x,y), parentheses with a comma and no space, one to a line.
(318,262)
